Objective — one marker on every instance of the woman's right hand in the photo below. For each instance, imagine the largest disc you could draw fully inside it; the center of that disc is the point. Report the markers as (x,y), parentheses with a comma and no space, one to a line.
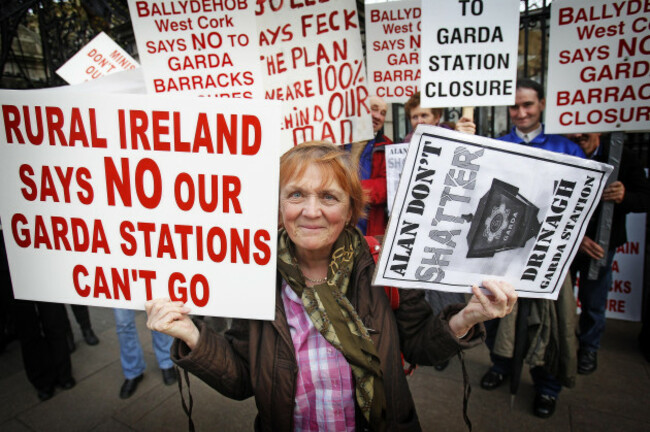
(170,318)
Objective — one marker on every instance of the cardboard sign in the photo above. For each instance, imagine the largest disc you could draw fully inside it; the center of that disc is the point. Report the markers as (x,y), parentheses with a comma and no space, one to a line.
(101,56)
(469,52)
(313,60)
(393,49)
(129,81)
(117,199)
(598,66)
(470,208)
(199,47)
(625,298)
(395,155)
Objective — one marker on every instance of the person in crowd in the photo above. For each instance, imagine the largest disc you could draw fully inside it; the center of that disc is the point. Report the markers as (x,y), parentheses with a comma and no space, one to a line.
(41,330)
(7,325)
(82,316)
(132,356)
(629,193)
(372,170)
(526,116)
(644,334)
(330,359)
(431,116)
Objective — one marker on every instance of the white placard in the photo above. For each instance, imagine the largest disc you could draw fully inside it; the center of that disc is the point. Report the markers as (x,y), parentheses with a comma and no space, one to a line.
(470,208)
(313,61)
(393,49)
(99,57)
(395,155)
(625,297)
(598,67)
(469,52)
(115,199)
(199,47)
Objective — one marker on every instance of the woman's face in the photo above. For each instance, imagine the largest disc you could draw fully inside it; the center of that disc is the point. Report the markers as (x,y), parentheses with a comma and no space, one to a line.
(313,215)
(419,115)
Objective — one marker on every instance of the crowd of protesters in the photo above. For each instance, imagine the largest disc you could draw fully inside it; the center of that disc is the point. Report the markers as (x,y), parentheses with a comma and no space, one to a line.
(46,337)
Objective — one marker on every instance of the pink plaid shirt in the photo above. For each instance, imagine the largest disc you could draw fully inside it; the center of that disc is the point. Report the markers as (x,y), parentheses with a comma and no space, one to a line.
(324,388)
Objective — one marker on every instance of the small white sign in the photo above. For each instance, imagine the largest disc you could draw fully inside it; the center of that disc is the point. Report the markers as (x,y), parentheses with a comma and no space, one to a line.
(598,67)
(625,297)
(101,56)
(469,52)
(395,155)
(115,199)
(625,300)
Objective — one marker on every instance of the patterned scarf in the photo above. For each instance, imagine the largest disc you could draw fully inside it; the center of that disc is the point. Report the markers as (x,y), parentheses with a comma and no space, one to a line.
(336,319)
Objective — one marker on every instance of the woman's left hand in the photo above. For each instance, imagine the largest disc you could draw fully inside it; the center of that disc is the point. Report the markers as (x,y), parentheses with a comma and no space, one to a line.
(482,307)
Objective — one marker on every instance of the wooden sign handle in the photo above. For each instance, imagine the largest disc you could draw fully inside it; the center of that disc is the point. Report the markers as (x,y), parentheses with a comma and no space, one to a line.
(468,112)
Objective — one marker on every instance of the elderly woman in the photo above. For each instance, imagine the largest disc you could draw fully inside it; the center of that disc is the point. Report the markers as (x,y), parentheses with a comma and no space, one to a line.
(330,360)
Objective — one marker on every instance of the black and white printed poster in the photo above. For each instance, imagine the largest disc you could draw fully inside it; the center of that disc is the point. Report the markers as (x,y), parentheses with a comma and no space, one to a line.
(470,208)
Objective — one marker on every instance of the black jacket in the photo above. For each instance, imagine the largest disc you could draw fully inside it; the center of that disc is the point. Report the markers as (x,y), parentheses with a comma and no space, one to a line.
(636,199)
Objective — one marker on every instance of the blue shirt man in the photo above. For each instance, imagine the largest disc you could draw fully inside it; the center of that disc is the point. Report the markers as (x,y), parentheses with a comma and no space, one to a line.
(554,143)
(526,117)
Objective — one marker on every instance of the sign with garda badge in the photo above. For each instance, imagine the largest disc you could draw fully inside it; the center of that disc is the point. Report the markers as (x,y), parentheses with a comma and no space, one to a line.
(470,208)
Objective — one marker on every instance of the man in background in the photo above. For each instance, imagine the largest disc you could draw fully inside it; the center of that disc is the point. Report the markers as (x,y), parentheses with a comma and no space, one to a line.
(528,130)
(372,170)
(431,116)
(630,193)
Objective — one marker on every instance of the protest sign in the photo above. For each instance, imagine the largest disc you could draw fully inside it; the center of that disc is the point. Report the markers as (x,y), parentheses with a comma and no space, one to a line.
(470,208)
(116,199)
(129,81)
(469,53)
(313,61)
(206,48)
(101,56)
(598,66)
(625,297)
(395,155)
(393,49)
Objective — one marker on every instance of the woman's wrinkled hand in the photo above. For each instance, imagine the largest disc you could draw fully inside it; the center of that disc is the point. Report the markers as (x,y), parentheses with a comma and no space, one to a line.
(497,303)
(170,318)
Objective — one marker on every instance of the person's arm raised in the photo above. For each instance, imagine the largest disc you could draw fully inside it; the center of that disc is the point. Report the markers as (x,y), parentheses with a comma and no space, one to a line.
(170,318)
